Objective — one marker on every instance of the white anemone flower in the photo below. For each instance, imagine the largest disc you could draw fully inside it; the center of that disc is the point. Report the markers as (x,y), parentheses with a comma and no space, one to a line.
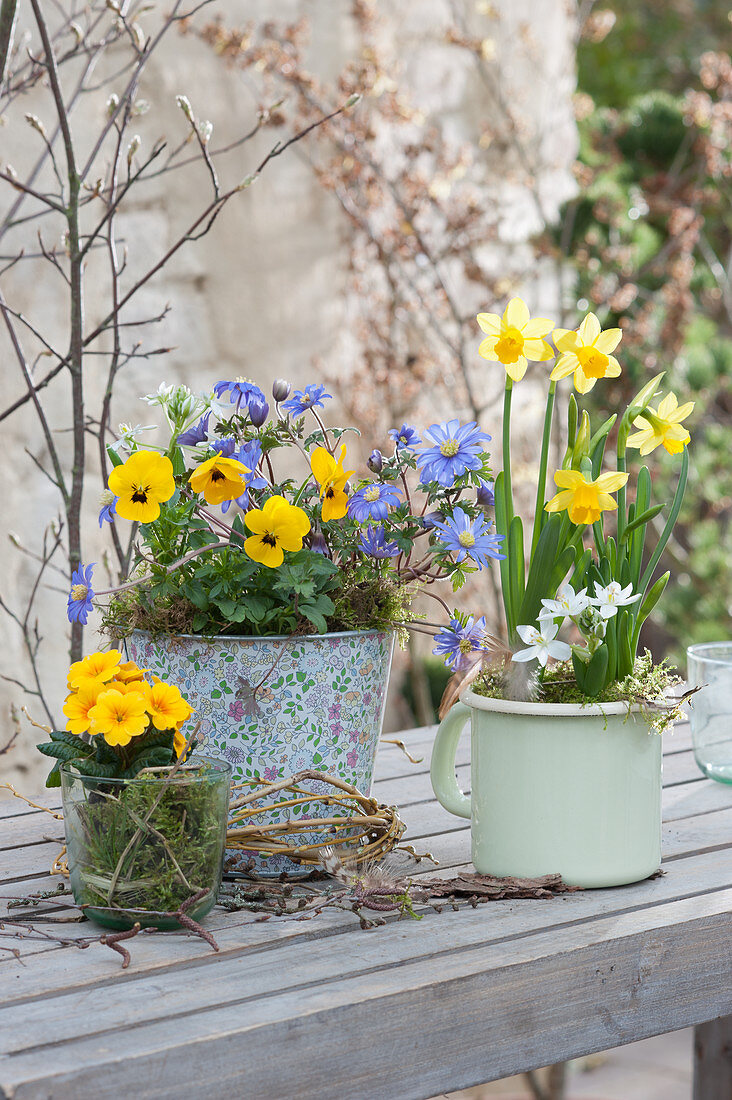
(568,602)
(128,434)
(608,600)
(541,643)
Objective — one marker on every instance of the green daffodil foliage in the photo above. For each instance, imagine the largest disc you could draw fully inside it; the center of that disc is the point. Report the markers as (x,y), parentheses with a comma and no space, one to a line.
(575,566)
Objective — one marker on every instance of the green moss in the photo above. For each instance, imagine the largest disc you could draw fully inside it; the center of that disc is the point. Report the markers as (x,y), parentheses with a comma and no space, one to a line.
(648,683)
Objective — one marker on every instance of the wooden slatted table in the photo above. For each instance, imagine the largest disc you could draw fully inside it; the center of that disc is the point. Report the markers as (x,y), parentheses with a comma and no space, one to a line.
(320,1009)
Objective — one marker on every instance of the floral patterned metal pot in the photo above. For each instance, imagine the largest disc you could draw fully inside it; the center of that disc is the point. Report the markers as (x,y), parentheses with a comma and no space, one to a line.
(278,705)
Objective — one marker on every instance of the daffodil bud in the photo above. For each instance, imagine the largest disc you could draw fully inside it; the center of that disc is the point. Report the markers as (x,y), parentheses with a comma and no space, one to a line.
(582,441)
(281,390)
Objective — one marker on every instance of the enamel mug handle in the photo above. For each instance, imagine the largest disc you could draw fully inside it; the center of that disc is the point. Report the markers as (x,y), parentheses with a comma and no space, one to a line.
(442,768)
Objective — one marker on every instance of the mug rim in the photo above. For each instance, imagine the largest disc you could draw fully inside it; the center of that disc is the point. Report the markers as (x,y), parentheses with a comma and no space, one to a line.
(548,710)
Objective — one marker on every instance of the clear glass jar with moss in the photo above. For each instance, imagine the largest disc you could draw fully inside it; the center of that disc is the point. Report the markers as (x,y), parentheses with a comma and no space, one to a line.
(140,849)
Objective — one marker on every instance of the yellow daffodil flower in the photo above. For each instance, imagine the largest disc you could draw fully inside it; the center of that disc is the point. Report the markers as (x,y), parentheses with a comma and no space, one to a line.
(98,668)
(276,527)
(141,485)
(586,353)
(584,500)
(515,338)
(119,717)
(219,479)
(166,706)
(662,426)
(332,478)
(77,707)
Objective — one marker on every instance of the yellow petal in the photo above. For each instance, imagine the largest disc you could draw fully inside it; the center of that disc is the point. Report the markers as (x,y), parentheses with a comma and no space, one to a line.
(565,339)
(612,370)
(137,511)
(566,365)
(516,313)
(490,323)
(568,479)
(537,326)
(538,350)
(606,502)
(487,348)
(582,383)
(518,369)
(322,464)
(589,330)
(611,482)
(608,340)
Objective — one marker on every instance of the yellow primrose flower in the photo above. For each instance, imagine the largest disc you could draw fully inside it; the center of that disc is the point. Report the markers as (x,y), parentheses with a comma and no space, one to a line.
(277,526)
(141,485)
(119,717)
(586,353)
(662,426)
(98,668)
(332,478)
(179,743)
(585,501)
(77,707)
(166,706)
(515,338)
(219,479)
(128,673)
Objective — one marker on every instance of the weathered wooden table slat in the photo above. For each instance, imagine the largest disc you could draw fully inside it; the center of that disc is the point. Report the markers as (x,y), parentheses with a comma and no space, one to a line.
(318,1008)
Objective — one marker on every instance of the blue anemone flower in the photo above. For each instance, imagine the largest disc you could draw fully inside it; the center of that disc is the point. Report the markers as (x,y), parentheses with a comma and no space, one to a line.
(250,455)
(455,449)
(373,543)
(243,389)
(225,445)
(470,538)
(258,412)
(406,436)
(108,510)
(81,596)
(373,501)
(458,640)
(310,398)
(486,495)
(197,434)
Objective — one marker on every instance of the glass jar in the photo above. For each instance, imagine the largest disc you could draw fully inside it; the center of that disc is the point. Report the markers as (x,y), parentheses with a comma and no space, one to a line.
(139,849)
(710,709)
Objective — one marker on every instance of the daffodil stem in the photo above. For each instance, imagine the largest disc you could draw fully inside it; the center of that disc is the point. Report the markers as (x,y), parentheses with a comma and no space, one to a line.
(541,482)
(673,516)
(622,500)
(507,490)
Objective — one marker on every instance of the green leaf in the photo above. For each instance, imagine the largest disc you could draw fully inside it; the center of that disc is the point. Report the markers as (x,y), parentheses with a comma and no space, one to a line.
(596,672)
(516,560)
(53,779)
(115,459)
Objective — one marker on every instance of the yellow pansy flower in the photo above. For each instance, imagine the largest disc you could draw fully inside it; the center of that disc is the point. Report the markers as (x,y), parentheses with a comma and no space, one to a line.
(119,717)
(141,485)
(331,477)
(166,706)
(219,479)
(662,426)
(515,338)
(585,501)
(586,353)
(275,527)
(77,707)
(98,668)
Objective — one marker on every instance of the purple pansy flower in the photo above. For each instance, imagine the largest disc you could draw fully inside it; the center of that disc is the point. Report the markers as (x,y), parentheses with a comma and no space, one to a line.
(373,501)
(310,398)
(470,538)
(373,543)
(81,596)
(406,436)
(458,640)
(455,449)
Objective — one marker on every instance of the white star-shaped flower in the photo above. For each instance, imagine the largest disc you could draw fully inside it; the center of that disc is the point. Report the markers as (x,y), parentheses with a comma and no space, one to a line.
(568,602)
(608,600)
(541,643)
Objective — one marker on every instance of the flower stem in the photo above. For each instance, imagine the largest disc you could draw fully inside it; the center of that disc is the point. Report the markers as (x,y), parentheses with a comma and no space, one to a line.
(507,490)
(539,513)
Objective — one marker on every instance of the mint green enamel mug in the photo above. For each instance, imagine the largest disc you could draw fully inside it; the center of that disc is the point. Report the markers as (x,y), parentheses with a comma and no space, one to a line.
(555,788)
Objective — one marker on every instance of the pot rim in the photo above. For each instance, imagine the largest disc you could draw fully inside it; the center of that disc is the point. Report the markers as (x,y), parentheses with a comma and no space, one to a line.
(547,710)
(265,637)
(208,765)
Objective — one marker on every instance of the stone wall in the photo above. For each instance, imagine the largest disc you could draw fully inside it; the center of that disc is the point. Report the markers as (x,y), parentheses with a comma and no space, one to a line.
(263,294)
